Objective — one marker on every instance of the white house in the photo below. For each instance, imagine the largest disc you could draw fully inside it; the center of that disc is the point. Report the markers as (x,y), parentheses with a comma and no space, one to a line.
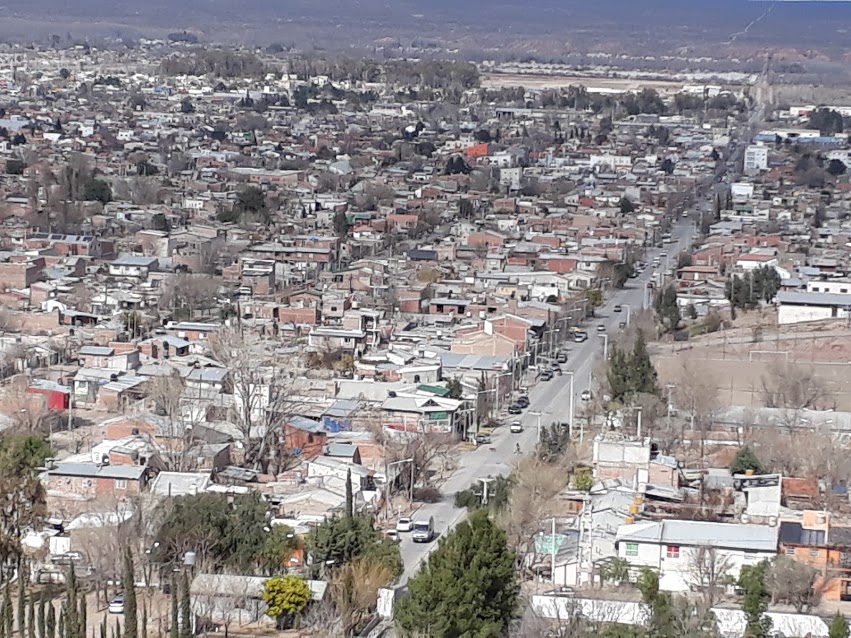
(756,158)
(798,306)
(677,548)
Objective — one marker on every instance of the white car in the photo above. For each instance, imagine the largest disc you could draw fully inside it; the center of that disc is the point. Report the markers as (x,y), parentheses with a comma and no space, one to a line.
(516,427)
(116,605)
(586,395)
(404,525)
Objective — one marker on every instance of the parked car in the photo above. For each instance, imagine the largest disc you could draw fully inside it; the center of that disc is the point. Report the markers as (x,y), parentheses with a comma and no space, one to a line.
(516,427)
(586,395)
(116,605)
(580,336)
(601,328)
(546,375)
(556,368)
(482,439)
(562,357)
(393,536)
(617,308)
(404,525)
(523,401)
(515,409)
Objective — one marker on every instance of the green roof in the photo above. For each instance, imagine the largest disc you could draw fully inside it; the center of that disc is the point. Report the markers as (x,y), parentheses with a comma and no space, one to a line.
(434,389)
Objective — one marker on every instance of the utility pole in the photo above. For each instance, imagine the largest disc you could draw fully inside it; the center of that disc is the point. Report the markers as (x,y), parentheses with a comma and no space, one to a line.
(572,399)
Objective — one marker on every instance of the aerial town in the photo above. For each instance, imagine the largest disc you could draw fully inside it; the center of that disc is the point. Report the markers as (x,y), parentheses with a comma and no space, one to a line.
(308,346)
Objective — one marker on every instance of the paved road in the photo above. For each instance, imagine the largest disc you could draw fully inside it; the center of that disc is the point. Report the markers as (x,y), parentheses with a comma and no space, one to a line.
(551,398)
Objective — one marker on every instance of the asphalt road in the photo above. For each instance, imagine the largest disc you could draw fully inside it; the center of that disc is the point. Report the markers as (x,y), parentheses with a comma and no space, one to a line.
(550,398)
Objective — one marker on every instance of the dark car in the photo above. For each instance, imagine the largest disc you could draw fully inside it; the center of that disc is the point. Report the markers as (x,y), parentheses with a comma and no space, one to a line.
(523,402)
(546,375)
(562,357)
(515,409)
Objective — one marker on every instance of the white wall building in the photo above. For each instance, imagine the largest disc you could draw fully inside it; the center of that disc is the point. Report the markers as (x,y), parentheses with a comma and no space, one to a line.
(756,158)
(675,548)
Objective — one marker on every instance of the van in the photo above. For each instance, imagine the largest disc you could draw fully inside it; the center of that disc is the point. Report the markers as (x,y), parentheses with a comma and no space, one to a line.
(423,530)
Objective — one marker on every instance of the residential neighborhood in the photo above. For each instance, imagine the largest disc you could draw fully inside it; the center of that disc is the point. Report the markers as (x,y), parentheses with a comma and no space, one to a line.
(276,327)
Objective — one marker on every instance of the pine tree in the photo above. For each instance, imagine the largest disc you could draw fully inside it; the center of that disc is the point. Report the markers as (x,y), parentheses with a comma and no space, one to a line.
(131,625)
(42,619)
(185,608)
(645,379)
(50,621)
(71,624)
(468,586)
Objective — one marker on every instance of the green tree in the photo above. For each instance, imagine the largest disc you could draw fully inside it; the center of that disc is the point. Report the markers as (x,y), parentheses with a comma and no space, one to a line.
(626,206)
(71,614)
(279,546)
(22,607)
(468,586)
(616,571)
(456,390)
(341,224)
(684,260)
(755,599)
(21,493)
(8,612)
(499,491)
(251,200)
(185,608)
(31,627)
(16,167)
(42,617)
(341,539)
(286,597)
(667,309)
(97,190)
(583,481)
(594,296)
(838,627)
(745,460)
(631,373)
(131,625)
(621,274)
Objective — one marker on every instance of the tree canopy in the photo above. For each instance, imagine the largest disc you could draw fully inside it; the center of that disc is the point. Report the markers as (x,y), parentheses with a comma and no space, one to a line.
(286,598)
(468,586)
(631,373)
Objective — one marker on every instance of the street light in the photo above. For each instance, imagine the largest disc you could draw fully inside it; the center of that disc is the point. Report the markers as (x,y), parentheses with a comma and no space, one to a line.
(628,312)
(605,338)
(539,415)
(571,374)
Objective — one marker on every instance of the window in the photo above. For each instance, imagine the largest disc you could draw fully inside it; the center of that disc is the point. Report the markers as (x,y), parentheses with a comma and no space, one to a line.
(815,288)
(844,291)
(673,551)
(121,484)
(790,551)
(814,553)
(632,549)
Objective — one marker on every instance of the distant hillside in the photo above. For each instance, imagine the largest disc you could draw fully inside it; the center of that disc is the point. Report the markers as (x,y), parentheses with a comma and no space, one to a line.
(545,27)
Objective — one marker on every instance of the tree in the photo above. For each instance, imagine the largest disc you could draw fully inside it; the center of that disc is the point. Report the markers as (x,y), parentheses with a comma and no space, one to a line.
(594,296)
(456,390)
(745,460)
(131,624)
(838,627)
(16,167)
(175,615)
(667,166)
(285,598)
(631,373)
(185,608)
(615,571)
(64,73)
(626,206)
(22,497)
(339,540)
(341,224)
(835,167)
(794,387)
(684,260)
(186,106)
(468,586)
(31,627)
(710,568)
(278,548)
(354,591)
(251,200)
(667,308)
(42,617)
(97,190)
(50,621)
(498,492)
(793,582)
(755,600)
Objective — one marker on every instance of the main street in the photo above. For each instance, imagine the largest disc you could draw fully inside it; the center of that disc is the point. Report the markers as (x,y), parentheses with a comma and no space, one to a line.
(549,398)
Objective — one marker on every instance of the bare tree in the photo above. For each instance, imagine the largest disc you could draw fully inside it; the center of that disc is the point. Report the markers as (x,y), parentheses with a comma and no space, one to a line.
(354,590)
(188,294)
(29,411)
(174,442)
(433,455)
(710,569)
(790,581)
(794,387)
(261,398)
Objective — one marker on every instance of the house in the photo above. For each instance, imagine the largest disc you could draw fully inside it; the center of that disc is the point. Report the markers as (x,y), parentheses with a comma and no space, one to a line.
(133,267)
(416,414)
(799,306)
(89,481)
(304,437)
(674,547)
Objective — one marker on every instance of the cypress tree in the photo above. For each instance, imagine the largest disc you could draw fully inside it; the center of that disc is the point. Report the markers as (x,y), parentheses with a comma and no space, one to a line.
(50,621)
(81,618)
(143,630)
(175,625)
(31,619)
(42,619)
(185,609)
(350,503)
(8,614)
(69,611)
(131,625)
(22,606)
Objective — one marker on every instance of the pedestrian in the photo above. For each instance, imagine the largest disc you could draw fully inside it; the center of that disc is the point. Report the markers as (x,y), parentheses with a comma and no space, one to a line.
(517,448)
